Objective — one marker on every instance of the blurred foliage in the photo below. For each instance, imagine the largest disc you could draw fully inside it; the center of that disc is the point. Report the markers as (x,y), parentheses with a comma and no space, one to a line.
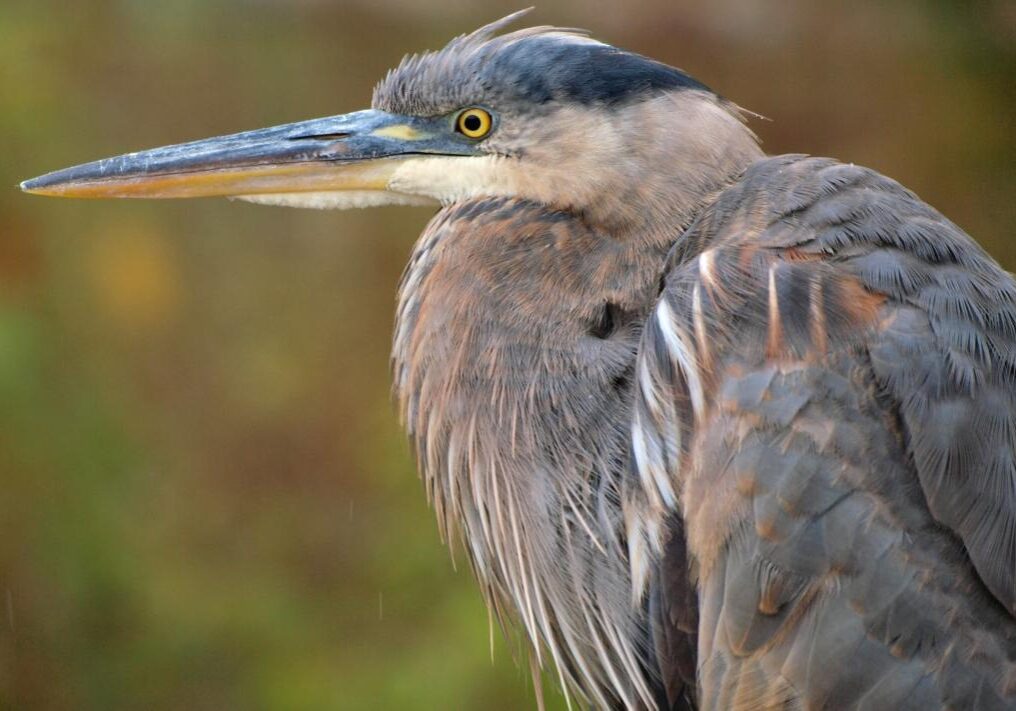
(207,502)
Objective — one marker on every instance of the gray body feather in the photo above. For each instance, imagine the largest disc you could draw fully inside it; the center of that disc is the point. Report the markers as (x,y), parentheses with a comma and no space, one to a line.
(848,485)
(717,430)
(823,405)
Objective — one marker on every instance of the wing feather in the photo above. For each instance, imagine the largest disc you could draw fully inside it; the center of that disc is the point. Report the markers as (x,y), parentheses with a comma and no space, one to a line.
(840,361)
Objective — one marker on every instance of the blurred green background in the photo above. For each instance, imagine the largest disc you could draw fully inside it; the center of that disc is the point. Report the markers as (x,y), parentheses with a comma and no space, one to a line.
(205,499)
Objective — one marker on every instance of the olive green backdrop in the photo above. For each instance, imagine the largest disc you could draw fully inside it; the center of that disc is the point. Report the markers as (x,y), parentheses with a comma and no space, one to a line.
(205,498)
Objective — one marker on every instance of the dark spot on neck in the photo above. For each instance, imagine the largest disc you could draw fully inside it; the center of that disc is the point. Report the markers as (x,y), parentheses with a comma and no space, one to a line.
(607,323)
(622,383)
(615,322)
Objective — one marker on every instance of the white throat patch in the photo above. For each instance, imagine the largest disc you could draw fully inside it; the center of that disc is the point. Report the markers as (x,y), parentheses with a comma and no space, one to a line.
(338,199)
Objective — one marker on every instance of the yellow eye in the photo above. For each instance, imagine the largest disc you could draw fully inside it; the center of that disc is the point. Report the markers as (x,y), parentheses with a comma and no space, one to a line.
(474,123)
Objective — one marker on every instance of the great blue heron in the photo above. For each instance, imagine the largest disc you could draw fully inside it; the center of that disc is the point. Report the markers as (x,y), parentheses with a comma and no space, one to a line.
(717,429)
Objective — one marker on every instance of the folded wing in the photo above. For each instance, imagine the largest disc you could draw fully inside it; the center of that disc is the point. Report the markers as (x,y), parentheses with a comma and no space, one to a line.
(827,397)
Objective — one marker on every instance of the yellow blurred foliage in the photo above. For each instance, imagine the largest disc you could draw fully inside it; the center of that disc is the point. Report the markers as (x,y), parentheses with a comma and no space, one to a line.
(135,276)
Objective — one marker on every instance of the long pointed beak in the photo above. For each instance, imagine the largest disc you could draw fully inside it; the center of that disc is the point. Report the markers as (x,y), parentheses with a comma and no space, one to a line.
(353,152)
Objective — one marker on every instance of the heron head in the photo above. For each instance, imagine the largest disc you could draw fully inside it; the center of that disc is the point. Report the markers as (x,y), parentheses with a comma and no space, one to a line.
(541,114)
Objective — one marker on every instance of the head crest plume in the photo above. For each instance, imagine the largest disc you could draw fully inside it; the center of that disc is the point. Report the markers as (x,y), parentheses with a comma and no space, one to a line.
(490,30)
(435,81)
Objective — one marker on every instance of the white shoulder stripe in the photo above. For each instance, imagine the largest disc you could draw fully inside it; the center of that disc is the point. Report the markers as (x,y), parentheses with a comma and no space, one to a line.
(677,344)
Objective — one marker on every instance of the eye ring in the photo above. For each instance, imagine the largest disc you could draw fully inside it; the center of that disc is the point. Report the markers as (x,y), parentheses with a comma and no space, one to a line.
(474,123)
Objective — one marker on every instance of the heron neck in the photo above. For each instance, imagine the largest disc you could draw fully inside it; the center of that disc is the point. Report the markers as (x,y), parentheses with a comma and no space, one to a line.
(513,357)
(649,169)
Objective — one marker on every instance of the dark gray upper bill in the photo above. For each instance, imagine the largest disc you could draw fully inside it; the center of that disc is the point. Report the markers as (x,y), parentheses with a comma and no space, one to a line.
(347,137)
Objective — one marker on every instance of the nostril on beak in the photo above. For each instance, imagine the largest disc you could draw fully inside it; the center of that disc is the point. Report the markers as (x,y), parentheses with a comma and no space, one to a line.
(321,137)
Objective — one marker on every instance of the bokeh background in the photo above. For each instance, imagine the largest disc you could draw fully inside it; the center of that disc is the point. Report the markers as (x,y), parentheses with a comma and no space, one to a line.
(205,498)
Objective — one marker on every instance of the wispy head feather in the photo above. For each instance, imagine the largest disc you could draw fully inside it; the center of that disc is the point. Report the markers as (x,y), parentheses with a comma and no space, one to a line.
(526,68)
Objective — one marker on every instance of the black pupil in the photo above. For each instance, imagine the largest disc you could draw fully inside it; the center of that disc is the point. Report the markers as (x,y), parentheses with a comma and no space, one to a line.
(472,122)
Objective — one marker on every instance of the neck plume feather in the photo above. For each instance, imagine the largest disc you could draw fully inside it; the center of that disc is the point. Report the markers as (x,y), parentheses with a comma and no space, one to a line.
(517,331)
